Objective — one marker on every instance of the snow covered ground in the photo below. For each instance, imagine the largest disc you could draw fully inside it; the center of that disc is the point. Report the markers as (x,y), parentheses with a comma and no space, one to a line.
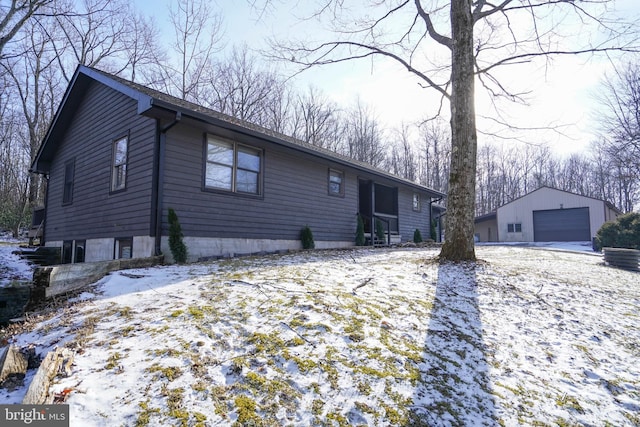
(12,267)
(527,336)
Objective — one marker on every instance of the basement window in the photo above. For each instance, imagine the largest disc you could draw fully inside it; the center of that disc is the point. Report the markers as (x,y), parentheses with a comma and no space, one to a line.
(124,248)
(514,228)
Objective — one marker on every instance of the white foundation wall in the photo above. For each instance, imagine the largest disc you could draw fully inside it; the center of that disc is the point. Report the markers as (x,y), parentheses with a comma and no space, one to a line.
(205,247)
(104,249)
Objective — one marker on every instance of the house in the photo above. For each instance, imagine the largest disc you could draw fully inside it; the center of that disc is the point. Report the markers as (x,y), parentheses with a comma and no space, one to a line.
(544,215)
(118,155)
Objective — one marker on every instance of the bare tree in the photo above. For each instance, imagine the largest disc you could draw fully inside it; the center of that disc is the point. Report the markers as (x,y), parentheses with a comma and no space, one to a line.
(619,115)
(197,37)
(14,15)
(238,87)
(364,135)
(402,159)
(447,46)
(315,120)
(435,155)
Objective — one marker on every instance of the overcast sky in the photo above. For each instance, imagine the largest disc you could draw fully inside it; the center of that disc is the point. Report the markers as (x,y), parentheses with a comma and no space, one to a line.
(562,94)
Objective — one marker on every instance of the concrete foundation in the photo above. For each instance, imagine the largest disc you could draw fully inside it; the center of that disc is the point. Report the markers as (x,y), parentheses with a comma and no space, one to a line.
(207,247)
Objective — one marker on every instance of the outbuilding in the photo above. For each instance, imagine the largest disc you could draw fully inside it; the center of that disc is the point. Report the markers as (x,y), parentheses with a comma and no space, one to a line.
(546,215)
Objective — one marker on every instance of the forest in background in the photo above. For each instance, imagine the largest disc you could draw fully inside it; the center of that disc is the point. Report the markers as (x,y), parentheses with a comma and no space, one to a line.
(43,41)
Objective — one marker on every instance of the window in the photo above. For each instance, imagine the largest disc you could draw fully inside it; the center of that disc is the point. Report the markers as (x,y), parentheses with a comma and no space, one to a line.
(416,202)
(78,250)
(336,182)
(67,251)
(514,228)
(124,248)
(119,170)
(69,172)
(232,167)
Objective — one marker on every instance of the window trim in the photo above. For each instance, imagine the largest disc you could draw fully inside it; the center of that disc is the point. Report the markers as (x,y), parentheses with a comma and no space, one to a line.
(112,188)
(67,196)
(342,179)
(514,227)
(417,207)
(234,167)
(117,249)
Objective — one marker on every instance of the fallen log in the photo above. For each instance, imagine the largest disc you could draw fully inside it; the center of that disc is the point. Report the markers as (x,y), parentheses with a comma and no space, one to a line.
(56,361)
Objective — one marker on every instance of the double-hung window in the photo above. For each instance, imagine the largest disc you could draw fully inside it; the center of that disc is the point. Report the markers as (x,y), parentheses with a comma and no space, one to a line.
(336,182)
(232,167)
(416,202)
(119,169)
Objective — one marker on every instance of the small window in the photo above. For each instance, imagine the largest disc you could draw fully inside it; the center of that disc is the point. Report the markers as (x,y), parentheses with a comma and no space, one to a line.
(78,250)
(124,248)
(514,228)
(336,182)
(69,176)
(67,251)
(119,170)
(416,202)
(232,167)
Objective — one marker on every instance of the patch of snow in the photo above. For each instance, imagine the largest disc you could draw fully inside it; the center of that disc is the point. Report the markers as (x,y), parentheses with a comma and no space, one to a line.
(12,267)
(362,337)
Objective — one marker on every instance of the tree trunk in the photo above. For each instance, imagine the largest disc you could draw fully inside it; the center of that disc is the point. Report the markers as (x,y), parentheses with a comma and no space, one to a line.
(459,245)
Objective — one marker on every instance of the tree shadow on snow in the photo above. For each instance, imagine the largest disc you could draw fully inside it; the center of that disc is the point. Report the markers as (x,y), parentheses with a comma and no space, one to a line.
(455,386)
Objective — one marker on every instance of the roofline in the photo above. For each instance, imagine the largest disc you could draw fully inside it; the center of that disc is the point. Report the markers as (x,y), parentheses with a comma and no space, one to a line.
(564,191)
(486,217)
(281,139)
(146,103)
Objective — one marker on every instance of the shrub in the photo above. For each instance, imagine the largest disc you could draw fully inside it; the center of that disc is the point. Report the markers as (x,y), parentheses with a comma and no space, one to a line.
(417,236)
(360,241)
(176,244)
(624,232)
(379,230)
(433,230)
(306,236)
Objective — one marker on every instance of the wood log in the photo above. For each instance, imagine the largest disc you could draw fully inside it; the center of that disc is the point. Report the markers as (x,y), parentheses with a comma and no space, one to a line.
(38,392)
(12,362)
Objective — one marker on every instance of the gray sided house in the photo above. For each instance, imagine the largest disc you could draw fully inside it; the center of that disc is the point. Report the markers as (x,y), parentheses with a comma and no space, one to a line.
(118,155)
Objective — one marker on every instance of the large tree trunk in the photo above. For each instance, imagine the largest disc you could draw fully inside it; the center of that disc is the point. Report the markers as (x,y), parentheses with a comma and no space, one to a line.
(458,245)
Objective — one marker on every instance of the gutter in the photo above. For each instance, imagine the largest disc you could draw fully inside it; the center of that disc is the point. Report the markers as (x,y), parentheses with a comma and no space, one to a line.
(158,181)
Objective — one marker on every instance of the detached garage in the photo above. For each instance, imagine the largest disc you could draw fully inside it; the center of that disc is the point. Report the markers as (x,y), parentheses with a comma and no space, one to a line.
(550,215)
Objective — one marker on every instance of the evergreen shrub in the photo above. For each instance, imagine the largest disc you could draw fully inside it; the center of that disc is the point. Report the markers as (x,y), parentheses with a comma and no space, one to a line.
(176,244)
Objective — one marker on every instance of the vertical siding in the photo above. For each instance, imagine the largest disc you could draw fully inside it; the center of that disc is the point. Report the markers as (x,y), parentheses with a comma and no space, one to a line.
(100,117)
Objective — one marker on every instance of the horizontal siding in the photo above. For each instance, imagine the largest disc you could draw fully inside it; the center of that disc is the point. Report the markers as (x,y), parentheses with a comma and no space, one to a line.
(294,195)
(410,220)
(102,116)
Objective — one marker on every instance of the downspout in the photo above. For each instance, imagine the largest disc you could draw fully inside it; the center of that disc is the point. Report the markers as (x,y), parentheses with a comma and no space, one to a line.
(161,138)
(431,202)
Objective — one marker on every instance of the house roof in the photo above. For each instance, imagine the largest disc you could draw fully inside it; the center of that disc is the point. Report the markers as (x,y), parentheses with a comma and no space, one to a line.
(151,101)
(486,217)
